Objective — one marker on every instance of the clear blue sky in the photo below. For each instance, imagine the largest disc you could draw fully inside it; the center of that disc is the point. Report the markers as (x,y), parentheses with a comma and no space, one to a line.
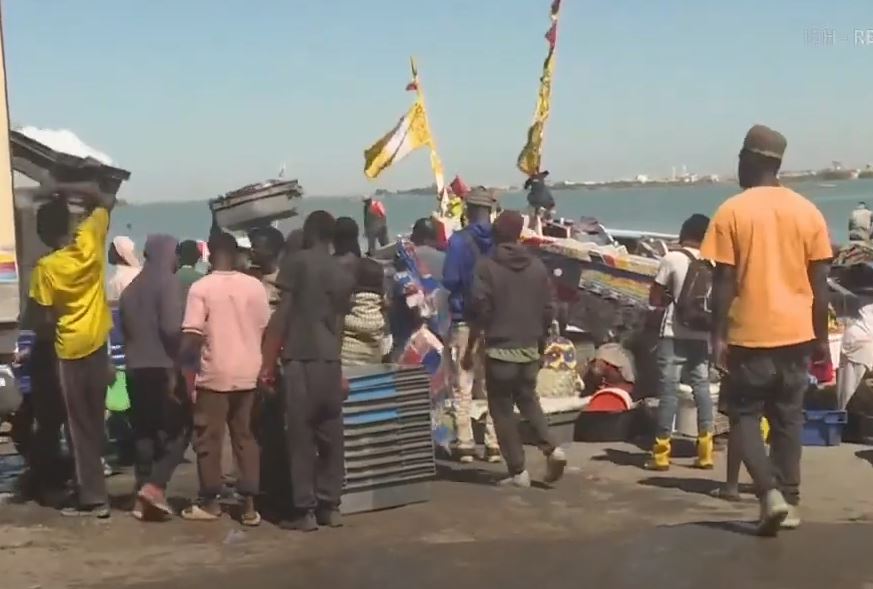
(197,97)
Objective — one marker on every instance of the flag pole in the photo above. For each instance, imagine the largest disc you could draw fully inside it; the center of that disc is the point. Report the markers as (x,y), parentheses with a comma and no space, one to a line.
(530,159)
(436,163)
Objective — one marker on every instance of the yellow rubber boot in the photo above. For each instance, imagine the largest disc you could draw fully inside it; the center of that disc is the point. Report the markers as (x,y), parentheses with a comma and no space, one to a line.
(705,458)
(660,459)
(765,430)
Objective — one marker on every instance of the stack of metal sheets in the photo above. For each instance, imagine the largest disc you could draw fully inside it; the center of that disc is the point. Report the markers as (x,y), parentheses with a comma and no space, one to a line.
(388,440)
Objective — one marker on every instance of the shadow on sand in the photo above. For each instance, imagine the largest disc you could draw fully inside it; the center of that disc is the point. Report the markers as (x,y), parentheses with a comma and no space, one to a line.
(865,455)
(623,458)
(475,475)
(696,486)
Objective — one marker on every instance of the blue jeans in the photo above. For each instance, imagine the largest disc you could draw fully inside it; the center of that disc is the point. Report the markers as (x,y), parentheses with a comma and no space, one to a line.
(683,360)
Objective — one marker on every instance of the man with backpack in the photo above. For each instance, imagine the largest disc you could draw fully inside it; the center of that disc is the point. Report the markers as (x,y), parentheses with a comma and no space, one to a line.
(464,250)
(681,291)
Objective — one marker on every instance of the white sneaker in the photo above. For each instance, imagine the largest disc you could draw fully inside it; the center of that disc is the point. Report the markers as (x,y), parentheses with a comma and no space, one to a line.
(521,480)
(465,455)
(792,520)
(774,510)
(556,462)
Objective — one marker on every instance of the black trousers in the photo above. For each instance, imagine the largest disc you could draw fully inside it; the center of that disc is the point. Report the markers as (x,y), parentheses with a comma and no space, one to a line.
(314,433)
(269,428)
(379,235)
(770,382)
(50,470)
(511,384)
(160,414)
(84,382)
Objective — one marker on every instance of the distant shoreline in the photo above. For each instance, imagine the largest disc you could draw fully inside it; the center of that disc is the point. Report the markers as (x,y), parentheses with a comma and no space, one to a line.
(431,192)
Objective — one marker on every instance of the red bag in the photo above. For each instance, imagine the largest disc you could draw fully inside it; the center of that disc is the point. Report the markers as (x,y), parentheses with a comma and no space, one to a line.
(823,371)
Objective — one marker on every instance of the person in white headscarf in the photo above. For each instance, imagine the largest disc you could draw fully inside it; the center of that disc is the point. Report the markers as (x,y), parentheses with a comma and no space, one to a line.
(122,255)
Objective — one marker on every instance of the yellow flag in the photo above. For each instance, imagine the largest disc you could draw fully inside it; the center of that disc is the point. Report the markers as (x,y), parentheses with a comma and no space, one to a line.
(529,159)
(410,133)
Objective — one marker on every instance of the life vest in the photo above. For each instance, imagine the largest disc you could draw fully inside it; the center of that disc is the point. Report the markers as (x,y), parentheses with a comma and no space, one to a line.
(455,209)
(377,209)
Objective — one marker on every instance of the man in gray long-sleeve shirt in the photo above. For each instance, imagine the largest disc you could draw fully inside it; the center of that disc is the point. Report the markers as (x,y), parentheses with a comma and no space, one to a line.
(152,307)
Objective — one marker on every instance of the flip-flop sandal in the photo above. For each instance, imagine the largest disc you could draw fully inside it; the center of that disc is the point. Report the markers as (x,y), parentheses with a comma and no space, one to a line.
(720,493)
(195,513)
(161,506)
(251,520)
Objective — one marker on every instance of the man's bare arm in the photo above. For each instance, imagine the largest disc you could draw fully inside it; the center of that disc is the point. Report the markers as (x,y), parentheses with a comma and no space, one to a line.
(89,192)
(818,280)
(724,290)
(38,318)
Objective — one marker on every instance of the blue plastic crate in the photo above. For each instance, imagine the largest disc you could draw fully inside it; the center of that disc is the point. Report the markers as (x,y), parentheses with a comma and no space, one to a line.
(823,428)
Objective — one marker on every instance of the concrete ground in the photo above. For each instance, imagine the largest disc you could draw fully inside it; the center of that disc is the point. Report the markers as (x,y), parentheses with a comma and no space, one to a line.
(608,522)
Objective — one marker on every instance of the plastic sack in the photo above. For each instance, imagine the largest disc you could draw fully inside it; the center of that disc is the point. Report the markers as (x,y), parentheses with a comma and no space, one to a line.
(558,376)
(425,349)
(117,399)
(10,395)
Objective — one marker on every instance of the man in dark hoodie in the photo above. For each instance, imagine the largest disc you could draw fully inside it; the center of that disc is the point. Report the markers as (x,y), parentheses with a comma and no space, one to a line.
(151,320)
(464,250)
(512,308)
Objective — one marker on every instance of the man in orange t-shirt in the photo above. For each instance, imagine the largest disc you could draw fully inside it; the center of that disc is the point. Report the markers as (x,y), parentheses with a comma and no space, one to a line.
(772,255)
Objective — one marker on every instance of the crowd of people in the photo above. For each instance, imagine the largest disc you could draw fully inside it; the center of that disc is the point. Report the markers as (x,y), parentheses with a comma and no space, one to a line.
(265,333)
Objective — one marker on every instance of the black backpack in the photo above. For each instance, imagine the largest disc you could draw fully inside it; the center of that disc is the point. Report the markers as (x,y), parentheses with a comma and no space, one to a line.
(693,308)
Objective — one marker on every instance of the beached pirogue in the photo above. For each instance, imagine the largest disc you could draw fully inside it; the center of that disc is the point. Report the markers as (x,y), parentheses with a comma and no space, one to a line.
(263,203)
(604,276)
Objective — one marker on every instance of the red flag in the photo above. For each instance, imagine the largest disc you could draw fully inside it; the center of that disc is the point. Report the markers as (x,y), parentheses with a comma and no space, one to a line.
(552,36)
(412,87)
(459,188)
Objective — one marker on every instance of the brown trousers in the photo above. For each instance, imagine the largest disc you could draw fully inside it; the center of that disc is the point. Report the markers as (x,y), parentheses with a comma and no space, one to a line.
(212,412)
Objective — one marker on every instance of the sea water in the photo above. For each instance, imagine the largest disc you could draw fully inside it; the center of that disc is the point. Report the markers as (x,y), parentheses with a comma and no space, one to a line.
(661,208)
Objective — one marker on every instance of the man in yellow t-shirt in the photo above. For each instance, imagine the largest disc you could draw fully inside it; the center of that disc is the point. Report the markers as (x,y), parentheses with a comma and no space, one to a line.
(68,285)
(769,300)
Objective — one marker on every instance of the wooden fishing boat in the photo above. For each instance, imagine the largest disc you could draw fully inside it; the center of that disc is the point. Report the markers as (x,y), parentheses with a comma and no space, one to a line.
(256,204)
